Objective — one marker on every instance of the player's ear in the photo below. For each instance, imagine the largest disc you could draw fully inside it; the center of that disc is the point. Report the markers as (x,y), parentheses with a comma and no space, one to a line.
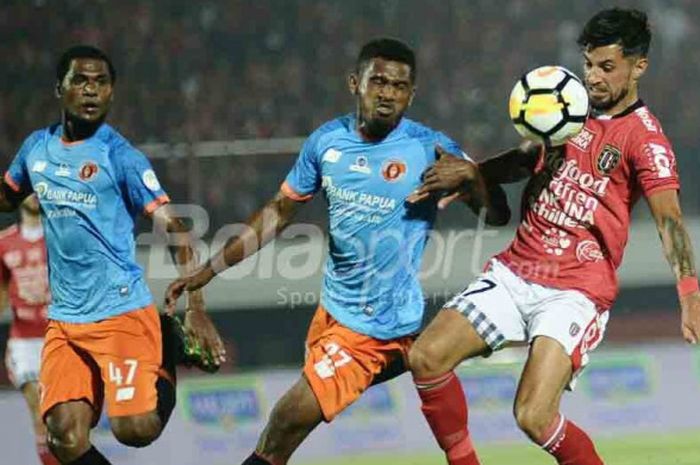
(639,68)
(353,83)
(413,94)
(57,90)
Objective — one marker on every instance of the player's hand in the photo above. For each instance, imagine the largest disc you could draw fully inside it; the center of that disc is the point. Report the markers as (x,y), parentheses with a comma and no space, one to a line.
(690,317)
(450,174)
(199,326)
(195,281)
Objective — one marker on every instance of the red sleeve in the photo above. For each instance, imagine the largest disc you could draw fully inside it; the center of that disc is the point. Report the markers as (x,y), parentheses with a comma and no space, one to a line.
(654,163)
(4,271)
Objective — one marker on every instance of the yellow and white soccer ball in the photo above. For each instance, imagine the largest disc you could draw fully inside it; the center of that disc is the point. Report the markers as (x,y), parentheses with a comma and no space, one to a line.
(549,105)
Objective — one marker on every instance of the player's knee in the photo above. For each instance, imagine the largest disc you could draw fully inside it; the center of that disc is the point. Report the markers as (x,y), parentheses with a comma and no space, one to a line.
(426,361)
(66,437)
(533,419)
(136,431)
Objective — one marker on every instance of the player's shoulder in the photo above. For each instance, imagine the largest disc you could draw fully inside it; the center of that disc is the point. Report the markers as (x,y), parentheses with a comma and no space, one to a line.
(120,149)
(41,134)
(341,124)
(418,130)
(643,122)
(9,232)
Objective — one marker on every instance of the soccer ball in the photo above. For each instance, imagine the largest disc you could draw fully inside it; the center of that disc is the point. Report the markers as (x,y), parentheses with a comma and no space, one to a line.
(549,105)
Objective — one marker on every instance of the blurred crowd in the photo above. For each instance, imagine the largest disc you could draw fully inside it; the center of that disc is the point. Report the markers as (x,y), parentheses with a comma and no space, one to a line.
(221,70)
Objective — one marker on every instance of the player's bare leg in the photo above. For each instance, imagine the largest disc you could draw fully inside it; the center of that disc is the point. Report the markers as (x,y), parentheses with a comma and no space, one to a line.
(293,418)
(547,372)
(68,425)
(30,391)
(448,339)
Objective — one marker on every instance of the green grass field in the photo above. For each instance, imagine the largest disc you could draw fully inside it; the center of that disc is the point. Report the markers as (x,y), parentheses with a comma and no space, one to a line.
(681,449)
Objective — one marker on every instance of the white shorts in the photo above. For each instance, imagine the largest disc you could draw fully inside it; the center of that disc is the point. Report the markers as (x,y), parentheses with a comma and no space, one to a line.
(23,359)
(503,307)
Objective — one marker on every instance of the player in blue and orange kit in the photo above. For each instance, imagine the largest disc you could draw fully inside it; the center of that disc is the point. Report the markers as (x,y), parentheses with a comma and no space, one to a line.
(367,164)
(104,341)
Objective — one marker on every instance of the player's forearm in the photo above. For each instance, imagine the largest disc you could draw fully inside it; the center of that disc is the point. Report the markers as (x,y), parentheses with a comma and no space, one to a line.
(511,165)
(262,228)
(677,247)
(185,258)
(498,212)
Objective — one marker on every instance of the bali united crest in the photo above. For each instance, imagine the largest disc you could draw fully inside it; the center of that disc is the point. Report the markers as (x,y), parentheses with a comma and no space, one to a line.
(608,160)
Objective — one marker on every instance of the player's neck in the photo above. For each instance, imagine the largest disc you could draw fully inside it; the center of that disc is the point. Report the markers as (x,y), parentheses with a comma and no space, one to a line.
(75,130)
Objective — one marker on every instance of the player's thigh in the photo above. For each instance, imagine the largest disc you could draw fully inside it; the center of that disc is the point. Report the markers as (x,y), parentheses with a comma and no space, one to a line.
(67,374)
(545,376)
(572,320)
(128,349)
(478,320)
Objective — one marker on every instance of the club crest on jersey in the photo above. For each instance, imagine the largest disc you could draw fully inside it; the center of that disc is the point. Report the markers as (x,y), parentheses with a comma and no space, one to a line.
(361,165)
(88,171)
(608,160)
(393,170)
(13,259)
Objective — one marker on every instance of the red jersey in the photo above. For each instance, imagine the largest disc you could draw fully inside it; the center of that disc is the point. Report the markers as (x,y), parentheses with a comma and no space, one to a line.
(23,269)
(577,205)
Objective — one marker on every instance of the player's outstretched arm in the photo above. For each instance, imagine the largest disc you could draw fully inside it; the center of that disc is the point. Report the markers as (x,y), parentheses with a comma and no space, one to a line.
(197,321)
(678,249)
(460,178)
(512,165)
(262,228)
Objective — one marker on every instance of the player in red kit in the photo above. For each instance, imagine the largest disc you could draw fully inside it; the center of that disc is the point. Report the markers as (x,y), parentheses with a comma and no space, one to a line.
(24,284)
(554,285)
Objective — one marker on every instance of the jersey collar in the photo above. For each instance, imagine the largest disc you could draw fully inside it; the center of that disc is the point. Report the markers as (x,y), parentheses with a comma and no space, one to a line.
(635,106)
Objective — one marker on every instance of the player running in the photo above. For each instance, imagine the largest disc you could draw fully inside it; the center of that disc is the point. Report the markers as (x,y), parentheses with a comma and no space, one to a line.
(24,283)
(104,340)
(366,164)
(554,285)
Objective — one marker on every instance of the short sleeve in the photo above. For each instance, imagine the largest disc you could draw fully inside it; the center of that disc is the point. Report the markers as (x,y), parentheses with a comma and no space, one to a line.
(304,180)
(654,164)
(140,185)
(4,271)
(450,146)
(17,175)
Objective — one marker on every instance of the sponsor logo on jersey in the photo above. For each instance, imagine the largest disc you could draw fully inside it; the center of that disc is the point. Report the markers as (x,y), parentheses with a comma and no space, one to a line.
(63,171)
(661,159)
(361,165)
(583,139)
(332,156)
(589,251)
(64,196)
(88,170)
(393,170)
(608,160)
(150,180)
(646,120)
(39,166)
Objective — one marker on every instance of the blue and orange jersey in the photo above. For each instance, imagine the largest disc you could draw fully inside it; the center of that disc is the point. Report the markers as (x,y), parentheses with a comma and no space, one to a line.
(371,283)
(90,193)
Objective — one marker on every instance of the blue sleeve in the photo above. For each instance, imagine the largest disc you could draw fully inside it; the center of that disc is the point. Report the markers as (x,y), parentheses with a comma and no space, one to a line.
(450,146)
(17,175)
(140,186)
(304,180)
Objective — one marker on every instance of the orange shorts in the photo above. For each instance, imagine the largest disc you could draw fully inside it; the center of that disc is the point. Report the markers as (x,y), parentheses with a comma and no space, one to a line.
(341,364)
(116,360)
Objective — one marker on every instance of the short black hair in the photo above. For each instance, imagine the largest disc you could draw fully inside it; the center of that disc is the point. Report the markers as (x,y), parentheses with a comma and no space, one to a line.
(82,51)
(627,28)
(389,49)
